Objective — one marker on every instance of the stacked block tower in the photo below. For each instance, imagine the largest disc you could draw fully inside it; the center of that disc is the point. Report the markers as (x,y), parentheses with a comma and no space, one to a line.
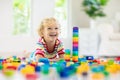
(67,55)
(75,44)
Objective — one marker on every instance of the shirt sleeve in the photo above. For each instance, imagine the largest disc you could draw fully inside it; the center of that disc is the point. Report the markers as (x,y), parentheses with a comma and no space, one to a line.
(60,49)
(39,49)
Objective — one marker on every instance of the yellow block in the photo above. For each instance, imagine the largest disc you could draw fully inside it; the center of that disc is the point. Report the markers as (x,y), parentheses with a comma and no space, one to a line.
(28,70)
(112,68)
(69,63)
(74,57)
(16,64)
(67,55)
(83,68)
(97,76)
(75,39)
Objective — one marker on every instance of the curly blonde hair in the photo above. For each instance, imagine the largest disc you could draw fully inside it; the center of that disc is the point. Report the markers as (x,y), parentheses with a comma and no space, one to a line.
(45,23)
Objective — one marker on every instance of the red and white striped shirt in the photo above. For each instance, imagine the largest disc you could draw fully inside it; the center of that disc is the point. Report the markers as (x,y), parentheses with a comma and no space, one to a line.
(42,49)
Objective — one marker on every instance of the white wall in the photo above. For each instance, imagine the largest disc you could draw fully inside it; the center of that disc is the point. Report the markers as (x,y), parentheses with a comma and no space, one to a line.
(17,45)
(42,9)
(6,19)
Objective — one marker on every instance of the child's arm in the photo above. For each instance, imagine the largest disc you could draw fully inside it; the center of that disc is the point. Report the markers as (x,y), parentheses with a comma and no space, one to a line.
(61,56)
(57,59)
(38,57)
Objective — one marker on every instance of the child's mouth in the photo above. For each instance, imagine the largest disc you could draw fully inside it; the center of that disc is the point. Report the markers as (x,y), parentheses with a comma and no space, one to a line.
(53,35)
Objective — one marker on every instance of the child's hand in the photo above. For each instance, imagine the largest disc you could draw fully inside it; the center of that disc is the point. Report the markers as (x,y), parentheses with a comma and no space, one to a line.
(52,60)
(56,59)
(38,57)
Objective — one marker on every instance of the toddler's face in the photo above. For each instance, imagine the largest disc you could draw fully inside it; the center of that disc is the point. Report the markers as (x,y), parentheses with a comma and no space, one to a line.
(51,32)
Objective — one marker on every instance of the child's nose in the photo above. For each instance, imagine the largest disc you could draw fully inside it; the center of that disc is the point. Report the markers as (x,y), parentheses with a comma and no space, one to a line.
(54,30)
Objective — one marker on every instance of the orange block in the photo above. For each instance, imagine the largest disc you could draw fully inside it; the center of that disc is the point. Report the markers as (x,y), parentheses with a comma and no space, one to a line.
(75,58)
(67,57)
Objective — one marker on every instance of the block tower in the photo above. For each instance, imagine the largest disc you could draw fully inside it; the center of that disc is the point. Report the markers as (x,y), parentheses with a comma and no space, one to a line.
(67,55)
(75,44)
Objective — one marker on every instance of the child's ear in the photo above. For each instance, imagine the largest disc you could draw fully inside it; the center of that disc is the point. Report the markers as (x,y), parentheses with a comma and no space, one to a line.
(41,33)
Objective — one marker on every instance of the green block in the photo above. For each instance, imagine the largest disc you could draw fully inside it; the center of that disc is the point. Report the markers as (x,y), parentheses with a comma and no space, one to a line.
(75,53)
(67,51)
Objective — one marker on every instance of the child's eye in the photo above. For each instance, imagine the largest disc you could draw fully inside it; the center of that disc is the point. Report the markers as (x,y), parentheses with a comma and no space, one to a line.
(56,28)
(49,28)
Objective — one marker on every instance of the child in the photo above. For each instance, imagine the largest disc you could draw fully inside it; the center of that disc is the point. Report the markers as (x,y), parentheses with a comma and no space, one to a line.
(49,46)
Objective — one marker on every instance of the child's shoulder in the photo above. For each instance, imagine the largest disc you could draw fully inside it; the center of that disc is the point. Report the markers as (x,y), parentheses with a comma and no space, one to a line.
(40,41)
(59,43)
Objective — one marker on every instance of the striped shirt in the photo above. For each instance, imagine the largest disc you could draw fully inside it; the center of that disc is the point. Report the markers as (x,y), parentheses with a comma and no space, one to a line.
(42,49)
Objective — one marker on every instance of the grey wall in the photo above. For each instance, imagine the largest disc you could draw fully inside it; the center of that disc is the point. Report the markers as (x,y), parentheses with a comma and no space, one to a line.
(80,19)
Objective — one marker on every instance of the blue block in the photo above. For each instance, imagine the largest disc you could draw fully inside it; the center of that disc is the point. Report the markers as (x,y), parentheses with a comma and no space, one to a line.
(75,48)
(44,60)
(37,68)
(89,57)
